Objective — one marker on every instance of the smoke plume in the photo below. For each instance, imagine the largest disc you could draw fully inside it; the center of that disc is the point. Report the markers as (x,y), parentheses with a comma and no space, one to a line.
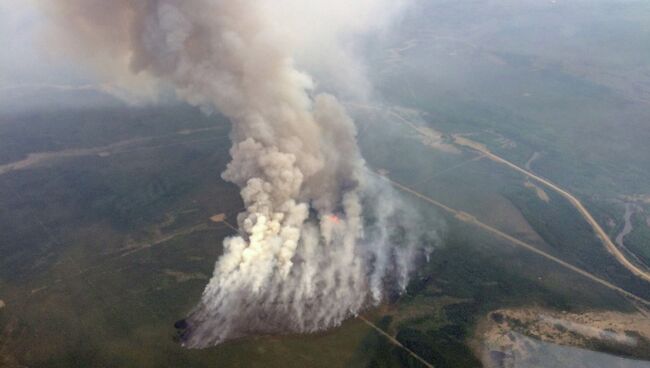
(320,238)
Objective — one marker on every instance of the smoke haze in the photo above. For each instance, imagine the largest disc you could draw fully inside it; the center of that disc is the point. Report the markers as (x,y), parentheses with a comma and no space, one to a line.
(320,238)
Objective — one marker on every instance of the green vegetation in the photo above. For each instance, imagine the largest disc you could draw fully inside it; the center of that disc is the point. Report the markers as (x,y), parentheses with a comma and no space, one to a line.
(101,252)
(102,244)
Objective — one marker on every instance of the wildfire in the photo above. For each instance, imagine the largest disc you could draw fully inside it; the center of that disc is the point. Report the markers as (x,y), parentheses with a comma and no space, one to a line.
(335,219)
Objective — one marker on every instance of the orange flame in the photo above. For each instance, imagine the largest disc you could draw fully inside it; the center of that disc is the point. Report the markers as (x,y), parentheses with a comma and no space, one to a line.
(334,219)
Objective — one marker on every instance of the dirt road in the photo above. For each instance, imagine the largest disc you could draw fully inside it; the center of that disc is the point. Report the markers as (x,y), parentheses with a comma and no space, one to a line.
(468,218)
(120,147)
(609,245)
(482,149)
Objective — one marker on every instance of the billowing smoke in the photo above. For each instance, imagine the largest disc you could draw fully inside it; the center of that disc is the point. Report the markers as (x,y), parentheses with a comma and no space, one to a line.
(320,238)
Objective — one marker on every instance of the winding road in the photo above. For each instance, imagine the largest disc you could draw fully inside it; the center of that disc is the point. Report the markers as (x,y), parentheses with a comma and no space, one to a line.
(485,152)
(607,242)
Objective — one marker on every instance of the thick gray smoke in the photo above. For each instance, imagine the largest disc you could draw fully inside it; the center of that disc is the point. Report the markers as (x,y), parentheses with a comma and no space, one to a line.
(320,239)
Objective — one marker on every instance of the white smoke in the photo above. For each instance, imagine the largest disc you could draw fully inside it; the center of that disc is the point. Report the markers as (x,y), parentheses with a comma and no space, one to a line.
(320,239)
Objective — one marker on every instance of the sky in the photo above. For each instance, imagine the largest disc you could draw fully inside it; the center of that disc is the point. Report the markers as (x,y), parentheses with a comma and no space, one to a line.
(25,59)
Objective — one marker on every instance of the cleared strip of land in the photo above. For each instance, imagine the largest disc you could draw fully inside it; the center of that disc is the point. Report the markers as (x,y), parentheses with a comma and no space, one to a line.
(602,235)
(120,147)
(468,218)
(607,242)
(395,342)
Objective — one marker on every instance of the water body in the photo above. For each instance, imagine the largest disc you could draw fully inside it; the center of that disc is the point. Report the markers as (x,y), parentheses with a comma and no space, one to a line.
(523,351)
(630,209)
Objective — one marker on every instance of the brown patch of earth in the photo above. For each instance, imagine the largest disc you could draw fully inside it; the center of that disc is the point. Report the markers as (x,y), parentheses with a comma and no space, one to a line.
(508,334)
(183,276)
(539,191)
(218,218)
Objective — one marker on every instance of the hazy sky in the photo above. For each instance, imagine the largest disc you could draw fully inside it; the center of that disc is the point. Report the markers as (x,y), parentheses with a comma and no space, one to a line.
(24,58)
